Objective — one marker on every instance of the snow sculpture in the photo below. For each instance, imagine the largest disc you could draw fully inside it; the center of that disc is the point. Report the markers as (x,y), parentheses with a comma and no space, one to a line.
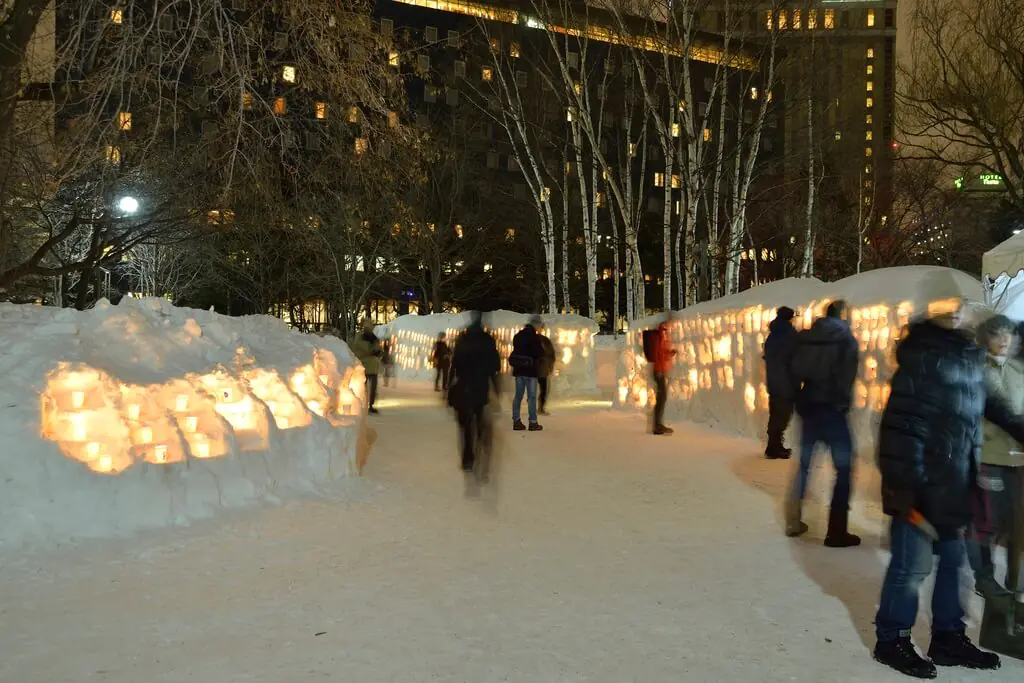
(412,339)
(719,376)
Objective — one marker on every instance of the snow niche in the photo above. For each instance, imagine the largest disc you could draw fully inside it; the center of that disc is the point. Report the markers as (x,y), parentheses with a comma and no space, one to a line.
(719,375)
(412,339)
(147,415)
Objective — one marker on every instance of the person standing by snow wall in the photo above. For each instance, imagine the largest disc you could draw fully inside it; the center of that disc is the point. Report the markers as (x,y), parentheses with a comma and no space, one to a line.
(474,373)
(659,352)
(778,351)
(441,357)
(545,367)
(367,349)
(524,361)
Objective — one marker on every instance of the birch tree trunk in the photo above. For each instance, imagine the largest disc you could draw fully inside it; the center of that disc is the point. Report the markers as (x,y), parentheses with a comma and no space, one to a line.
(566,304)
(807,267)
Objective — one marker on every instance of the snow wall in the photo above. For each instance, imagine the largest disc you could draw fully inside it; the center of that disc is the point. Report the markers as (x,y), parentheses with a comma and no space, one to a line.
(413,337)
(145,415)
(719,375)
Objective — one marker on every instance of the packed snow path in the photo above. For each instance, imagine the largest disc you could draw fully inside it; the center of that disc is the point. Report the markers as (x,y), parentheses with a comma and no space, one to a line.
(606,555)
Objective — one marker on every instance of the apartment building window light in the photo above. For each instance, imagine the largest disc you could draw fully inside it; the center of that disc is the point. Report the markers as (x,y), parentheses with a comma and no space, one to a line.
(868,119)
(869,102)
(707,135)
(393,58)
(797,20)
(116,15)
(513,50)
(830,19)
(871,18)
(783,20)
(868,151)
(113,154)
(320,110)
(870,69)
(510,234)
(124,120)
(353,114)
(247,101)
(659,180)
(869,135)
(754,93)
(632,149)
(288,74)
(870,85)
(577,88)
(675,130)
(495,45)
(487,74)
(458,231)
(871,53)
(812,19)
(568,115)
(769,20)
(362,145)
(545,194)
(453,38)
(392,119)
(676,181)
(838,135)
(280,106)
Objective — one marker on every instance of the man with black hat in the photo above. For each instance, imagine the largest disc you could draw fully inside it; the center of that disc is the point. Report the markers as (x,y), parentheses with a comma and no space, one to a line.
(778,350)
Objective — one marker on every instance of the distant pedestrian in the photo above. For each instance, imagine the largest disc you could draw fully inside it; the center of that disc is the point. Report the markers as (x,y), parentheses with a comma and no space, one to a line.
(545,367)
(778,351)
(441,358)
(366,346)
(475,367)
(660,353)
(525,361)
(824,367)
(387,359)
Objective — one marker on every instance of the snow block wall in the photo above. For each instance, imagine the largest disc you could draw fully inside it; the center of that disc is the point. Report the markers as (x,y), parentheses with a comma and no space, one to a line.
(719,375)
(413,336)
(145,415)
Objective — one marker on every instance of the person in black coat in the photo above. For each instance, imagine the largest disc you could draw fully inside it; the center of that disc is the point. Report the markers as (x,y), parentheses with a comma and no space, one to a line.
(928,447)
(441,357)
(525,360)
(823,369)
(475,367)
(778,351)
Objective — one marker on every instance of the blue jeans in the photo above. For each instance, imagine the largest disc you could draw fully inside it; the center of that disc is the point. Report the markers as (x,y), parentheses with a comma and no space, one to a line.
(529,386)
(910,565)
(830,428)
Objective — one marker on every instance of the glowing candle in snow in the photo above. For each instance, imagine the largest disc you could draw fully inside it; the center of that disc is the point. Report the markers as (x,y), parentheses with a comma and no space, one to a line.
(282,422)
(314,406)
(182,404)
(202,450)
(77,399)
(146,435)
(78,429)
(106,464)
(325,380)
(191,424)
(134,410)
(160,453)
(92,450)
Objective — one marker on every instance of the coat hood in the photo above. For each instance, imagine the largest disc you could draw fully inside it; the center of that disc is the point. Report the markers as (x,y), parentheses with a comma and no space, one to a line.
(781,325)
(829,330)
(929,337)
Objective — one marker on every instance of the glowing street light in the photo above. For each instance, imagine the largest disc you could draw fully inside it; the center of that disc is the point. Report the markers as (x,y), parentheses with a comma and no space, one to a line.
(128,205)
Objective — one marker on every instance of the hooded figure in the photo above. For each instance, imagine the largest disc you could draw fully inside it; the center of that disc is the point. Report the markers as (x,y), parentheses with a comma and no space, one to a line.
(778,351)
(474,369)
(366,346)
(928,447)
(525,359)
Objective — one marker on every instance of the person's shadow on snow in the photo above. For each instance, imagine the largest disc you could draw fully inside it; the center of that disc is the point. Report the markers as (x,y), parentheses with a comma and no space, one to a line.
(851,575)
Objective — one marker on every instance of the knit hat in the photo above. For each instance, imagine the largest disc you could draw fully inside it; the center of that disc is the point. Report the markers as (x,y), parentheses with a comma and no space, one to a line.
(785,313)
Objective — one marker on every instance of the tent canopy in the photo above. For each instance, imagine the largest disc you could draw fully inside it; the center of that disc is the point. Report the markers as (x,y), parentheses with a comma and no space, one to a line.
(1007,257)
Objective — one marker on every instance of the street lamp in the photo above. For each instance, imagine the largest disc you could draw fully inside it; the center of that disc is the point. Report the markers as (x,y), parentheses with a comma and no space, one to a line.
(128,204)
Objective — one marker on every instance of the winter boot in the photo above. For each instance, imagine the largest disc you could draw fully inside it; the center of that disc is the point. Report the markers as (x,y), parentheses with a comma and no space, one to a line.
(776,453)
(900,655)
(662,429)
(837,535)
(954,648)
(794,525)
(518,426)
(985,583)
(534,427)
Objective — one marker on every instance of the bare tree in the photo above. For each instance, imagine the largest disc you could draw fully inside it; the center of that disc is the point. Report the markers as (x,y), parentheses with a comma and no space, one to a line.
(159,270)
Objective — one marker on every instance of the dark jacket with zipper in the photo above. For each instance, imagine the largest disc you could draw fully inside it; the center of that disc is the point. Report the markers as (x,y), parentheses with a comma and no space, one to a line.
(824,367)
(778,351)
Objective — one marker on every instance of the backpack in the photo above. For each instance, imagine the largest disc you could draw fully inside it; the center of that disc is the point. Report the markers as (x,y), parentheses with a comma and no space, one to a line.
(651,340)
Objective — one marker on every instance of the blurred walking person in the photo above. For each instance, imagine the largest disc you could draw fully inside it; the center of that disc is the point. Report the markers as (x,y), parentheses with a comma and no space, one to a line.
(778,352)
(525,363)
(660,353)
(387,360)
(441,358)
(824,368)
(475,367)
(366,346)
(545,367)
(928,442)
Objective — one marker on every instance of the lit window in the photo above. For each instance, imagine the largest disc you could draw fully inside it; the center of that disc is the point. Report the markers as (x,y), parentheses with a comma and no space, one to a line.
(124,120)
(676,183)
(510,234)
(769,96)
(458,231)
(769,21)
(681,105)
(113,154)
(867,201)
(495,45)
(116,16)
(545,194)
(675,130)
(678,206)
(659,180)
(870,69)
(867,170)
(754,93)
(632,149)
(393,58)
(392,119)
(353,114)
(871,53)
(280,106)
(869,102)
(868,119)
(838,135)
(868,152)
(830,19)
(599,198)
(288,74)
(797,23)
(487,267)
(870,86)
(321,110)
(568,115)
(707,135)
(362,145)
(577,88)
(871,18)
(487,73)
(868,184)
(247,101)
(812,19)
(783,20)
(513,50)
(869,135)
(431,227)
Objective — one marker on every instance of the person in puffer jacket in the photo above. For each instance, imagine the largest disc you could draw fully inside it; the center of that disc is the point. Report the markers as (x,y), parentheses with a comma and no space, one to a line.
(928,446)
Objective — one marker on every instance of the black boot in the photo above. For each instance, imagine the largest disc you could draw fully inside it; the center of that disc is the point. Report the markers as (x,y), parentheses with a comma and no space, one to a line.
(837,535)
(777,452)
(900,655)
(954,648)
(985,583)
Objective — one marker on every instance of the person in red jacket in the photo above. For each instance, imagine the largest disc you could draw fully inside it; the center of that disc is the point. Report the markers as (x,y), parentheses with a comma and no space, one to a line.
(664,355)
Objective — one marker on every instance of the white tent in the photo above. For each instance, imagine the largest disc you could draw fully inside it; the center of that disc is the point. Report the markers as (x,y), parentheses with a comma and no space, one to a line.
(1003,270)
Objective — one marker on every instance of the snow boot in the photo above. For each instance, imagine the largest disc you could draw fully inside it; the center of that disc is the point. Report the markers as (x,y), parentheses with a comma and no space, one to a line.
(518,426)
(777,453)
(837,535)
(794,525)
(534,427)
(663,430)
(954,648)
(985,583)
(901,655)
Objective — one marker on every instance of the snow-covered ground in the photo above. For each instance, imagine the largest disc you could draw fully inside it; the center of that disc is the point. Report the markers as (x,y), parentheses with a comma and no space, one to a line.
(604,555)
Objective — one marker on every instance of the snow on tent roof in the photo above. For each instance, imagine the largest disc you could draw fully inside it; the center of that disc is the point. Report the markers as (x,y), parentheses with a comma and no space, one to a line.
(919,284)
(1006,257)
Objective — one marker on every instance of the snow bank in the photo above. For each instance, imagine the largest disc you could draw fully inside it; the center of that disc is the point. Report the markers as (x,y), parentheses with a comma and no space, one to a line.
(719,374)
(145,415)
(413,336)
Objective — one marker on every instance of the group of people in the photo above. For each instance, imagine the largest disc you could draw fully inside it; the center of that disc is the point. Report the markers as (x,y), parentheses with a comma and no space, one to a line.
(949,440)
